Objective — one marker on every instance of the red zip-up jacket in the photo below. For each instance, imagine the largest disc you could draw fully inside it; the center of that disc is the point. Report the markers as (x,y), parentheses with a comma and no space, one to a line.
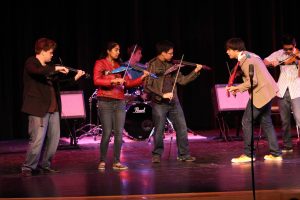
(103,77)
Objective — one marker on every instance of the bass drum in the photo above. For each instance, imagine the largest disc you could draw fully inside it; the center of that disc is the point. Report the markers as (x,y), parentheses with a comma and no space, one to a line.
(139,122)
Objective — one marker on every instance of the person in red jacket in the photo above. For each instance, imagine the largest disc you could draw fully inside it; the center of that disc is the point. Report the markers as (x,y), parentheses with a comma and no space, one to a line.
(111,101)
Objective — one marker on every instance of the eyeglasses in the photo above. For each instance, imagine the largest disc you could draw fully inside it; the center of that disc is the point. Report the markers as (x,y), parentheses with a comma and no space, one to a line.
(288,49)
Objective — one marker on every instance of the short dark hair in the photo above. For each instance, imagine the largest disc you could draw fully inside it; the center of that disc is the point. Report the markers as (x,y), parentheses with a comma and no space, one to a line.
(235,44)
(44,44)
(163,46)
(288,39)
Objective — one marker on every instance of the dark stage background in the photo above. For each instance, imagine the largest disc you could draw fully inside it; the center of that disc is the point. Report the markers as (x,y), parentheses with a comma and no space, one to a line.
(199,30)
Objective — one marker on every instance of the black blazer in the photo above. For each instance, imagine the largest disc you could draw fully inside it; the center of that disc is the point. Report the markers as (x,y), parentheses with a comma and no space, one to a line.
(36,91)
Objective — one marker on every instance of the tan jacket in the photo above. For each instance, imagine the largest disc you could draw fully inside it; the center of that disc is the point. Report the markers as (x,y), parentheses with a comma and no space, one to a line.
(264,86)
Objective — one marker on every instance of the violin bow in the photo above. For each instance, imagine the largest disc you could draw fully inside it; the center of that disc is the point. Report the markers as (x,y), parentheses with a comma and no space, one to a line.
(228,68)
(177,73)
(129,61)
(186,63)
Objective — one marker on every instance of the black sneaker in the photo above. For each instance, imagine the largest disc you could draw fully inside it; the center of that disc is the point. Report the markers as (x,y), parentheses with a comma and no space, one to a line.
(287,150)
(156,159)
(26,172)
(186,158)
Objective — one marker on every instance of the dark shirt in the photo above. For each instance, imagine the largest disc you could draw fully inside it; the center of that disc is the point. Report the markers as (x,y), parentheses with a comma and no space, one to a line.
(168,84)
(53,104)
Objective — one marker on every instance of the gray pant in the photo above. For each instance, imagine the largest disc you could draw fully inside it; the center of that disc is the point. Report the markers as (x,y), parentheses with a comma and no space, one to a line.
(174,112)
(44,138)
(286,105)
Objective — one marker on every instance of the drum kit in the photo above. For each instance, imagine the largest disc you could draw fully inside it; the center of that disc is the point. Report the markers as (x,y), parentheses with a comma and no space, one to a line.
(138,123)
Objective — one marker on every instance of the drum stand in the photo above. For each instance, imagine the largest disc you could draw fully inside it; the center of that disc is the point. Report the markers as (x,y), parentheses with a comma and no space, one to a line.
(170,130)
(168,125)
(93,130)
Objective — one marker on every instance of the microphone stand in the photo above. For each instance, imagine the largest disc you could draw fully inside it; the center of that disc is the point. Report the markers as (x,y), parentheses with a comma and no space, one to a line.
(251,74)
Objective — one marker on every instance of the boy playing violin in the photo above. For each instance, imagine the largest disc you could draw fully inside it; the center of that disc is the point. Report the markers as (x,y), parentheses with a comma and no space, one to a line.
(264,90)
(289,86)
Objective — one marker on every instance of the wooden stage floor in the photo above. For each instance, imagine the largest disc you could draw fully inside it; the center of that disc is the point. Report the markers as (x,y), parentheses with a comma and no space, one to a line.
(212,176)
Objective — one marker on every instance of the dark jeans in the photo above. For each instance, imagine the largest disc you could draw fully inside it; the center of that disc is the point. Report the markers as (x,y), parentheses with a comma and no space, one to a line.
(174,112)
(264,116)
(286,104)
(112,116)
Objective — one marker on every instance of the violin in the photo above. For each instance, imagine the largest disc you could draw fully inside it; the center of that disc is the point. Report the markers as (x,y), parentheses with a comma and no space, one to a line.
(232,77)
(123,68)
(293,57)
(184,63)
(86,75)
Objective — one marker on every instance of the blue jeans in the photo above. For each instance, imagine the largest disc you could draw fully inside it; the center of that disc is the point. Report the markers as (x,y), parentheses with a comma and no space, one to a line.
(286,104)
(174,112)
(263,115)
(41,129)
(112,116)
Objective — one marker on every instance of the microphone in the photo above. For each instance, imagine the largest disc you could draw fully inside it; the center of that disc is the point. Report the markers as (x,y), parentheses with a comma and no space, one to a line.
(251,71)
(251,74)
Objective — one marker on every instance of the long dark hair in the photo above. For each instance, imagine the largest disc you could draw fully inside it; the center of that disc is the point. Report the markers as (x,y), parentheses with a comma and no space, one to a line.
(109,46)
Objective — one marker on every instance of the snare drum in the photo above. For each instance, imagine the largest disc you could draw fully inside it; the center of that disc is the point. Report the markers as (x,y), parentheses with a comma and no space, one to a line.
(138,123)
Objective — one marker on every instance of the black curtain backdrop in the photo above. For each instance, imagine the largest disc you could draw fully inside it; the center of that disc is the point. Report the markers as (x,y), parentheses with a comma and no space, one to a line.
(198,29)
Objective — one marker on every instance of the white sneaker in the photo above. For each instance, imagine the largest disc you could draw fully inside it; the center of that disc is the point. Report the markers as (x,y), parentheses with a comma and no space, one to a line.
(272,158)
(242,159)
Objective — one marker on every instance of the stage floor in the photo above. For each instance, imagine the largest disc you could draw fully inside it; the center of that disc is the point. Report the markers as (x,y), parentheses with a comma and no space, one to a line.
(212,172)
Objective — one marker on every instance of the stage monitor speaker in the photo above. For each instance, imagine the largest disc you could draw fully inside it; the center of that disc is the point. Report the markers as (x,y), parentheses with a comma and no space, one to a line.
(225,103)
(72,103)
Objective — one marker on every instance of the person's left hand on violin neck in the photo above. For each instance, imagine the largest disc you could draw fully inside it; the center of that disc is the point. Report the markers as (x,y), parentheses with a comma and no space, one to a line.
(79,74)
(198,67)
